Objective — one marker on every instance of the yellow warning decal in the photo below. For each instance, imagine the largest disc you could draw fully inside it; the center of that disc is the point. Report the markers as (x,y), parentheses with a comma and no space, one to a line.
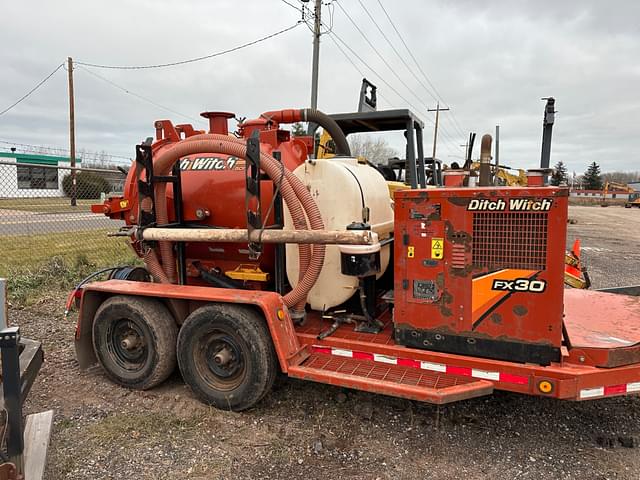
(411,251)
(437,248)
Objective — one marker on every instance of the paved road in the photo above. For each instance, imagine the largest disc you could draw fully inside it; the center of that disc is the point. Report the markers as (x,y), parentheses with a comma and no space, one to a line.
(16,222)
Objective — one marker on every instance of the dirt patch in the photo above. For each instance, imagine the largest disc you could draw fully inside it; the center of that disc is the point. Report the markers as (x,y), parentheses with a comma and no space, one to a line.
(306,430)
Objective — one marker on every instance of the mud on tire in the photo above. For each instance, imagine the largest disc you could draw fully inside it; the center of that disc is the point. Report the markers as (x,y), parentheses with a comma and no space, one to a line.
(134,339)
(226,356)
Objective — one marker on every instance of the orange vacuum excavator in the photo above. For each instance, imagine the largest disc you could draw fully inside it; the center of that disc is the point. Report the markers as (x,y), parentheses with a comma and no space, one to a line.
(259,259)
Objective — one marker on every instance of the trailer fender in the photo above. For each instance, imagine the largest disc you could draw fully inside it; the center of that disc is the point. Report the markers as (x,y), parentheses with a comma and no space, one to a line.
(182,300)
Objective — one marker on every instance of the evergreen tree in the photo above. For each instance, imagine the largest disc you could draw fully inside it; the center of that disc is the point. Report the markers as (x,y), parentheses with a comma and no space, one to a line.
(297,130)
(559,176)
(592,179)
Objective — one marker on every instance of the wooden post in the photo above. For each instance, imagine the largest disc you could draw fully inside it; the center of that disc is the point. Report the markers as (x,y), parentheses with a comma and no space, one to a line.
(4,315)
(72,134)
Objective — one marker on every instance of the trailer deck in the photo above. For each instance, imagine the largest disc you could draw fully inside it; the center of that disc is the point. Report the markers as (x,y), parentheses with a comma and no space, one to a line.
(353,359)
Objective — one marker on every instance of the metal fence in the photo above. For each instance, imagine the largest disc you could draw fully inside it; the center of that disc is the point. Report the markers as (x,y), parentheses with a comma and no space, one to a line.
(41,221)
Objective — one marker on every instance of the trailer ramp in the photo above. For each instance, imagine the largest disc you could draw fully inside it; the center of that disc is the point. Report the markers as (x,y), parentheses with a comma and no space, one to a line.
(395,380)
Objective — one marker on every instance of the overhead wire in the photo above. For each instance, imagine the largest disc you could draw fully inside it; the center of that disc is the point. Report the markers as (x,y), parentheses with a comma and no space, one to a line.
(335,38)
(393,47)
(446,136)
(191,60)
(304,9)
(431,93)
(134,94)
(26,95)
(426,77)
(30,148)
(355,66)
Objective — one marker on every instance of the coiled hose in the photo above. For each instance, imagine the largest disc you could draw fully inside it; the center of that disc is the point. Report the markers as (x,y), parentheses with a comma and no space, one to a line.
(296,196)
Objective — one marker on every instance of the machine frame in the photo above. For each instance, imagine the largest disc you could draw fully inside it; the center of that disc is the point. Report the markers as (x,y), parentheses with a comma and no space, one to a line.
(590,360)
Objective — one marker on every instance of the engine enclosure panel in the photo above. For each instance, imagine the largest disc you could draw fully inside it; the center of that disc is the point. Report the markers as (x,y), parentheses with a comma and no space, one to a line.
(480,271)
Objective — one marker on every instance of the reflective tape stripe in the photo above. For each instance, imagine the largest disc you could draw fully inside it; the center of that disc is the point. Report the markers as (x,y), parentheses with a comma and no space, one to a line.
(463,371)
(408,362)
(603,391)
(485,374)
(434,367)
(633,387)
(341,353)
(592,392)
(511,378)
(615,389)
(363,355)
(424,365)
(385,359)
(610,390)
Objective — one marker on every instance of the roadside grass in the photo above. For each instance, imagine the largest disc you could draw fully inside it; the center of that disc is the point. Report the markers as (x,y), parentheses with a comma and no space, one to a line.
(28,252)
(46,205)
(34,266)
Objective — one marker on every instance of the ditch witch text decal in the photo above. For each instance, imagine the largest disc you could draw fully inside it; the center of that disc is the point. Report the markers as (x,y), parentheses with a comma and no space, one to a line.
(515,205)
(211,163)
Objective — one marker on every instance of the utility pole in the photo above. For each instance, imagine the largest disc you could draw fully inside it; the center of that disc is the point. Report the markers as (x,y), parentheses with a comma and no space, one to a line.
(72,134)
(497,155)
(466,148)
(435,130)
(316,53)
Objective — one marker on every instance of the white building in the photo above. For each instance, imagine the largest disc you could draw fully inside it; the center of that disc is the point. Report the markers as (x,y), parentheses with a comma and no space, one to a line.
(27,175)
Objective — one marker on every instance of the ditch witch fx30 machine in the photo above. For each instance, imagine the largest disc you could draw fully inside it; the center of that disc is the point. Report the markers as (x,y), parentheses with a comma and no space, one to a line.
(259,259)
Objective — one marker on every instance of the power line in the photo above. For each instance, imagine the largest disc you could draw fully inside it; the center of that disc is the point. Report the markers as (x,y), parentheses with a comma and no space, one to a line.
(126,90)
(426,77)
(24,97)
(384,35)
(401,57)
(355,66)
(377,51)
(30,148)
(191,60)
(387,63)
(303,8)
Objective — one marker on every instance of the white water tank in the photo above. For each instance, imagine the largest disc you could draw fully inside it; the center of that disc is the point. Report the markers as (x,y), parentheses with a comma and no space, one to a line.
(341,187)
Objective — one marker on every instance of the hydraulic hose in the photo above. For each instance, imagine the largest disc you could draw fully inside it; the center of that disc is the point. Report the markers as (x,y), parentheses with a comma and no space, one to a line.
(314,116)
(151,261)
(298,200)
(297,214)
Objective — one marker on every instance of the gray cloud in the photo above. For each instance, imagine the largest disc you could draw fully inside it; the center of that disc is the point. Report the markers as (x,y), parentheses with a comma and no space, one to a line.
(491,61)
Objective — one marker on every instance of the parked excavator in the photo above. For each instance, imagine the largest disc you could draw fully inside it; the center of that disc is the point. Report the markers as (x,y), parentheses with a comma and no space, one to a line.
(633,197)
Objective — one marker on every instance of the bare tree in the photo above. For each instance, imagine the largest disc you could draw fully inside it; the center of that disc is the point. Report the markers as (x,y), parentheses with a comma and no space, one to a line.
(621,177)
(374,149)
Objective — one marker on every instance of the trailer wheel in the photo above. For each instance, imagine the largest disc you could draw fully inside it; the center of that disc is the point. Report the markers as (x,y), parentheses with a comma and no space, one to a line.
(134,339)
(226,356)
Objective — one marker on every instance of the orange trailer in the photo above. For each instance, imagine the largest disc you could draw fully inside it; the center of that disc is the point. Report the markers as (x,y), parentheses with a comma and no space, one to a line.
(254,267)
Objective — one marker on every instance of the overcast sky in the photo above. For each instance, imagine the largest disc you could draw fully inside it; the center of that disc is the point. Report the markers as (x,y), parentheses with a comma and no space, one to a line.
(491,62)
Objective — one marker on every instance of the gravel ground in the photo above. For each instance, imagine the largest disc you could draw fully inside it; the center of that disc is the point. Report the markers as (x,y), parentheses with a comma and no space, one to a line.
(314,431)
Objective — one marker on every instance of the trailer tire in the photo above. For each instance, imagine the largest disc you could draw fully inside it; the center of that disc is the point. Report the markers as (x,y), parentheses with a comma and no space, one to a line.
(226,356)
(134,339)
